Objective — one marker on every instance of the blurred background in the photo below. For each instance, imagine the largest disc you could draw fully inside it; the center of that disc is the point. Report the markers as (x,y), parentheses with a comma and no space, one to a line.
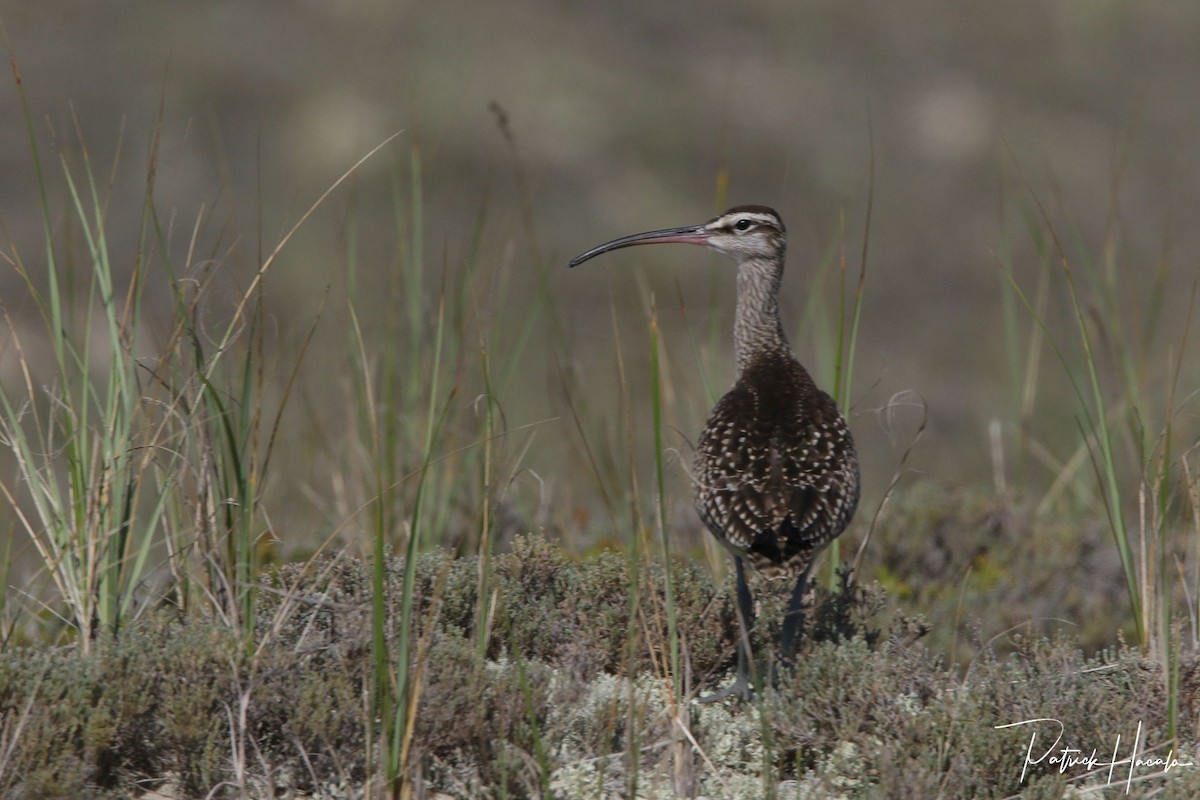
(965,134)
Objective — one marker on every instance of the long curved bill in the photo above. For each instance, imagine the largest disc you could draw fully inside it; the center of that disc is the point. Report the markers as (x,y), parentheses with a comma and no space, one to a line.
(690,234)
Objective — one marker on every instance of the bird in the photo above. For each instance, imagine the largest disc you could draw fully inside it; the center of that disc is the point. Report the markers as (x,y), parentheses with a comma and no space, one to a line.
(776,475)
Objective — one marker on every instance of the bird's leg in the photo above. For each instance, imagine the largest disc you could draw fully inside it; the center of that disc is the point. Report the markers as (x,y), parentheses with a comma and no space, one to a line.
(743,685)
(793,619)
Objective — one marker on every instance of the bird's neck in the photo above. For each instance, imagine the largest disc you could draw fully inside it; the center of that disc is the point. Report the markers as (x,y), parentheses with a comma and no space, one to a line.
(757,329)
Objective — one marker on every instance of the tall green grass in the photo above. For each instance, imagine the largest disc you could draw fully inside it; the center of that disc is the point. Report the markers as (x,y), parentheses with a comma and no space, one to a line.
(136,474)
(436,445)
(81,502)
(1124,368)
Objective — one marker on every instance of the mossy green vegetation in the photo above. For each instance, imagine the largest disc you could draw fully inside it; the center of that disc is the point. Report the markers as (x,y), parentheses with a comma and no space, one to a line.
(948,554)
(182,707)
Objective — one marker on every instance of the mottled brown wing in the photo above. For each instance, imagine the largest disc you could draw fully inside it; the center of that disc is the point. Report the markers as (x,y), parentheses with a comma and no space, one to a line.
(777,476)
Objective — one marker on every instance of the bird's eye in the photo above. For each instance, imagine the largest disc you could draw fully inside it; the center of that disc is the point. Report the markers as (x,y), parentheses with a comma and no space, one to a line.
(742,225)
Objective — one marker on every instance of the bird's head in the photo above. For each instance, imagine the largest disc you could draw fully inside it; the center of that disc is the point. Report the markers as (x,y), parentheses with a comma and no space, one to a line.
(743,233)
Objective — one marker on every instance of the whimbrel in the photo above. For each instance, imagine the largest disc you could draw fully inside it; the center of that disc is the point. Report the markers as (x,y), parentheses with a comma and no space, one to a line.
(776,475)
